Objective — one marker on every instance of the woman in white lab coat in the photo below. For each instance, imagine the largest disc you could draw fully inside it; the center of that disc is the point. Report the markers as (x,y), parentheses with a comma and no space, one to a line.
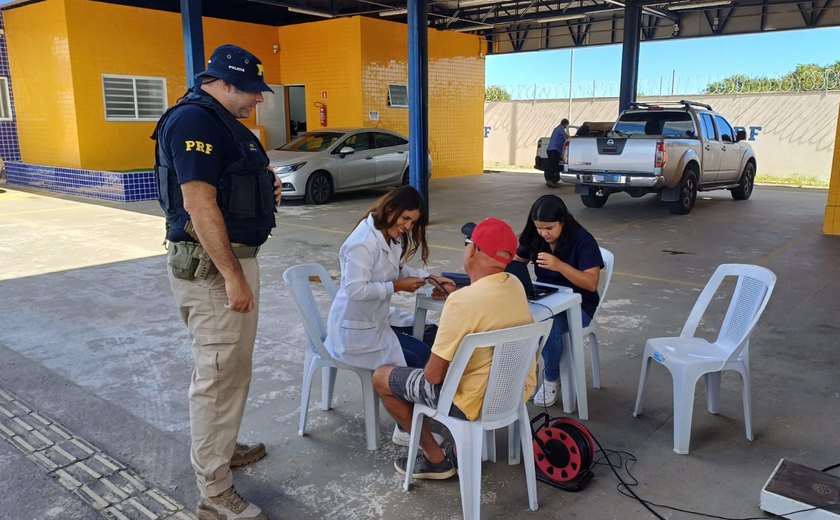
(372,260)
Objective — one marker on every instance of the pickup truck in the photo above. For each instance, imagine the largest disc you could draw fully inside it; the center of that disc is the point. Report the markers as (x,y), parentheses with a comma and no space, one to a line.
(587,129)
(672,149)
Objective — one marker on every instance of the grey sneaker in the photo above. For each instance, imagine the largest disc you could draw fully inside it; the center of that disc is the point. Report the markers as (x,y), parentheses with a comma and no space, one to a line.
(228,506)
(245,454)
(449,452)
(423,469)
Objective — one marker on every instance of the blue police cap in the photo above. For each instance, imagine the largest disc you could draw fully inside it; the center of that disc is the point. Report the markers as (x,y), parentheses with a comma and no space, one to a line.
(238,67)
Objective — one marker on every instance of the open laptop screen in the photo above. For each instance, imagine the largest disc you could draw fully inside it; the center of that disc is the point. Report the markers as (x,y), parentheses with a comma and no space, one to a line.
(520,270)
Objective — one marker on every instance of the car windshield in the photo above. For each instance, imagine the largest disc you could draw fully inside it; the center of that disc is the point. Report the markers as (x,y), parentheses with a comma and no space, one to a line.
(311,142)
(664,123)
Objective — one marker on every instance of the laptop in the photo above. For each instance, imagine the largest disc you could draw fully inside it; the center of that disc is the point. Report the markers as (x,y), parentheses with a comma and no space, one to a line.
(533,292)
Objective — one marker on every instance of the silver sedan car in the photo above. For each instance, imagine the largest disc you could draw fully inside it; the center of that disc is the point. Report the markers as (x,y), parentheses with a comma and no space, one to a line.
(317,164)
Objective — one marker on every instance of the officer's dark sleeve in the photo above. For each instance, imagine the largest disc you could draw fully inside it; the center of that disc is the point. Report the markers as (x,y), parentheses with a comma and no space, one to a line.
(196,140)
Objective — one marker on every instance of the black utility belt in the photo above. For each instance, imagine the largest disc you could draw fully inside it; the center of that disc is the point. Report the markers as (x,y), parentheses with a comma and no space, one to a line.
(190,261)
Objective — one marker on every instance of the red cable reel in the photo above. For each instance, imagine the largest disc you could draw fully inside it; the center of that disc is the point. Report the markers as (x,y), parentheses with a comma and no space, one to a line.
(564,452)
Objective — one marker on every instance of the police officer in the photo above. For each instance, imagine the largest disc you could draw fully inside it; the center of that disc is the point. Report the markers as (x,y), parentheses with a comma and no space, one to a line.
(219,198)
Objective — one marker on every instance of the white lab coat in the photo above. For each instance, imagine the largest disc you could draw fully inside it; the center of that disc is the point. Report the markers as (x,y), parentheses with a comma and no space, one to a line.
(359,324)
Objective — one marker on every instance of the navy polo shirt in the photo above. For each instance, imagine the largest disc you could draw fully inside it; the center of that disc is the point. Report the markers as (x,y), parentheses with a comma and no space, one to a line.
(199,146)
(582,255)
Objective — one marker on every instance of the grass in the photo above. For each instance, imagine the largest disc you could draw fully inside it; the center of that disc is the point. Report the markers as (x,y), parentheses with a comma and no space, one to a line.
(795,180)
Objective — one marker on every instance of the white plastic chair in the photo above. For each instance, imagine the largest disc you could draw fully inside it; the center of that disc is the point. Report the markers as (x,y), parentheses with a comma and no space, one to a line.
(589,335)
(299,278)
(514,350)
(688,357)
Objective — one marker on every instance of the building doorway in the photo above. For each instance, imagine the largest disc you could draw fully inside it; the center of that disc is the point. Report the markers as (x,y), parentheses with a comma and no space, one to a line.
(297,110)
(271,115)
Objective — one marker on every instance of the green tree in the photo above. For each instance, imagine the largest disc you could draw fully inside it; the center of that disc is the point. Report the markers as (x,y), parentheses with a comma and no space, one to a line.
(496,93)
(804,78)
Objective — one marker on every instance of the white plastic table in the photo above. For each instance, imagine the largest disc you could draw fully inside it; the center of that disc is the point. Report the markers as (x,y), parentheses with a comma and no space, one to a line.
(543,309)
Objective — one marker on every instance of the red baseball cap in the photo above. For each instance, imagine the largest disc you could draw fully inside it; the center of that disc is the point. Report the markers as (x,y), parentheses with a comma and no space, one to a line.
(492,236)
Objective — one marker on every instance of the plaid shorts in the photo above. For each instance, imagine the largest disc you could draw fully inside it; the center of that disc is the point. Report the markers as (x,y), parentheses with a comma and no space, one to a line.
(409,384)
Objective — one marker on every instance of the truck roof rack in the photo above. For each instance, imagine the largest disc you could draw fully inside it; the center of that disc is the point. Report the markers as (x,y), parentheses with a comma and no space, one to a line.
(695,103)
(636,104)
(684,102)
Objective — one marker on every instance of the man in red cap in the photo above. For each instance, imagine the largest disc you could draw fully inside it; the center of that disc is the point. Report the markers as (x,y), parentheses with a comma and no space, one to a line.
(493,300)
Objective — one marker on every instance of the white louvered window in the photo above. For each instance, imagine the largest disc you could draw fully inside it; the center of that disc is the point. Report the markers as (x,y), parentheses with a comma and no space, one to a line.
(133,98)
(5,103)
(397,96)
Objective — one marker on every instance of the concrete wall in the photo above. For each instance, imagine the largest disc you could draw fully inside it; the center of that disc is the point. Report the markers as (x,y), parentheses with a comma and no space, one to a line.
(796,134)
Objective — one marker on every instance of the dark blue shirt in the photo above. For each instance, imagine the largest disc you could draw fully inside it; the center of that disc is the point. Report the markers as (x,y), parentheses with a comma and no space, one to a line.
(558,138)
(199,144)
(200,147)
(582,255)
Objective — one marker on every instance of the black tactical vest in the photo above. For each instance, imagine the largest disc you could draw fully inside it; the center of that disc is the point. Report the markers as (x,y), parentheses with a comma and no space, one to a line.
(245,192)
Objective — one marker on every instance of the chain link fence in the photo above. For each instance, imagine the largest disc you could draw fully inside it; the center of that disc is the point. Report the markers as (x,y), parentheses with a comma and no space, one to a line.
(676,85)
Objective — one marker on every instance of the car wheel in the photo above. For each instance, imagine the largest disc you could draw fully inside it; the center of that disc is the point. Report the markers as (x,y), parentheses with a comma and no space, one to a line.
(406,179)
(593,200)
(688,194)
(745,185)
(318,188)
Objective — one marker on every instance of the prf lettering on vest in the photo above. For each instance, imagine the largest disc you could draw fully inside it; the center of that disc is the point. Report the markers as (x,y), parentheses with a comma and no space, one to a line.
(198,146)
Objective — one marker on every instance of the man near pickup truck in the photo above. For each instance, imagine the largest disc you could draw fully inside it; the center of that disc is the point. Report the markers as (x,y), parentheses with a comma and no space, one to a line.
(555,152)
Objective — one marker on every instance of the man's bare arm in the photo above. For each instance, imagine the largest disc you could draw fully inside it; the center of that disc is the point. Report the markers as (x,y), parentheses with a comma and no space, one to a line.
(435,370)
(200,203)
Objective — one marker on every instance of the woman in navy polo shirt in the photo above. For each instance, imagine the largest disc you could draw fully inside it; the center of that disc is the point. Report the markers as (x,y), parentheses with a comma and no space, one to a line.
(564,253)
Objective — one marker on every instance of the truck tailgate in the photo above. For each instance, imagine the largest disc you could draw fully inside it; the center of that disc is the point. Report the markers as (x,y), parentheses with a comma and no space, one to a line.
(612,154)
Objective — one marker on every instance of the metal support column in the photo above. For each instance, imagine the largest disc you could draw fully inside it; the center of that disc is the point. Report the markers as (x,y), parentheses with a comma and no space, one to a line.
(418,98)
(630,54)
(193,38)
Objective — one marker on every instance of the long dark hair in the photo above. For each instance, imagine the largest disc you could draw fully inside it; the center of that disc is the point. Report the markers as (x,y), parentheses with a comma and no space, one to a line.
(548,208)
(387,211)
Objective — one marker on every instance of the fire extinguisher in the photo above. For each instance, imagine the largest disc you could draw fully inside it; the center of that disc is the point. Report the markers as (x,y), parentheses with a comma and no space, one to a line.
(322,109)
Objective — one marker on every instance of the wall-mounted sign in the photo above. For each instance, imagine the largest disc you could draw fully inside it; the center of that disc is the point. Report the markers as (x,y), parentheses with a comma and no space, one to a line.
(373,115)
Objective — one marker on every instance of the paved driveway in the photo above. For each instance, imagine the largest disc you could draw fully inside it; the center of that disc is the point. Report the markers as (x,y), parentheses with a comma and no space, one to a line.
(91,342)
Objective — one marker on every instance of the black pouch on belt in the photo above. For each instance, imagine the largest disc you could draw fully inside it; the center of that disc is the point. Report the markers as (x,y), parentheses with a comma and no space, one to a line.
(182,260)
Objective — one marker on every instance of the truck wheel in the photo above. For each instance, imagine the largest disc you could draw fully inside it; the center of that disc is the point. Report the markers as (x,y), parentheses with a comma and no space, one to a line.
(688,194)
(593,200)
(745,185)
(318,188)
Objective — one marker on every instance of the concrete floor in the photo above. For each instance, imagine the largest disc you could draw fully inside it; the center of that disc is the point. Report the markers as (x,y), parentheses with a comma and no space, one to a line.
(90,338)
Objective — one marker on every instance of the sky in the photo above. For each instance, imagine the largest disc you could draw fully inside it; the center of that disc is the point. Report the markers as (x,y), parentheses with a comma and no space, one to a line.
(771,54)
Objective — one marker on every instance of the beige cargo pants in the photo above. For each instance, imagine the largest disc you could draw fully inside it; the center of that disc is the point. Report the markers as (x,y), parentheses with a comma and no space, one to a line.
(223,345)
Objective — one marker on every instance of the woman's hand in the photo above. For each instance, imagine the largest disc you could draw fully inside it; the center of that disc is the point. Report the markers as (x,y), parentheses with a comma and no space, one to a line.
(443,286)
(549,261)
(409,284)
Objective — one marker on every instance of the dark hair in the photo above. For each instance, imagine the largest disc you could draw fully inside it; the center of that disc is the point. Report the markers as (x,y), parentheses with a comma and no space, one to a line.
(387,211)
(564,121)
(548,208)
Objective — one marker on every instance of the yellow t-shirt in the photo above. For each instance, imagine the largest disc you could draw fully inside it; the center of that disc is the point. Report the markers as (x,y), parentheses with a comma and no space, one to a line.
(494,302)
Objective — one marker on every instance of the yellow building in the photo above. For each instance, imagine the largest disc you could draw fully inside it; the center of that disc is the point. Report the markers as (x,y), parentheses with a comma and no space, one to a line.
(87,81)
